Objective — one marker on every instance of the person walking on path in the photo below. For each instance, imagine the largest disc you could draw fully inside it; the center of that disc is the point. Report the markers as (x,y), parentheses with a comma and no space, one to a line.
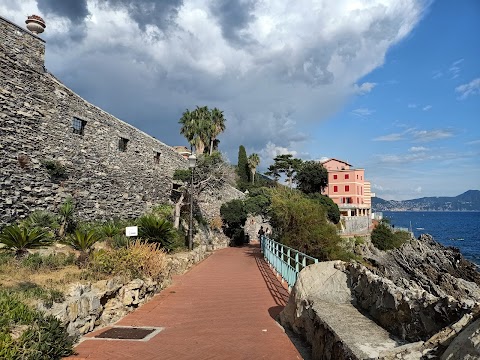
(268,233)
(261,232)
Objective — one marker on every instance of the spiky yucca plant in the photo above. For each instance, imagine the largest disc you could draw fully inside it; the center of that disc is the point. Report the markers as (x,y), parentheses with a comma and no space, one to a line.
(21,239)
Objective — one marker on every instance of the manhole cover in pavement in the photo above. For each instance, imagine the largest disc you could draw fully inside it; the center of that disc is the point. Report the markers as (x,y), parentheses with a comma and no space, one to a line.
(129,333)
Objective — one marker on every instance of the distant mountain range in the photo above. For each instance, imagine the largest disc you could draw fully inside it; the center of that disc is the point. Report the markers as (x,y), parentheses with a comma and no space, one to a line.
(468,201)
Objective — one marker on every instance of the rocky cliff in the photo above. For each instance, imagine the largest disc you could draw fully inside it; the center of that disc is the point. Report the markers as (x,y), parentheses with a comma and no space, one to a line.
(415,302)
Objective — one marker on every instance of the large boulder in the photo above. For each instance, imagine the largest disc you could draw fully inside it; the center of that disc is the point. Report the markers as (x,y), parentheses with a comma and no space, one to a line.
(466,346)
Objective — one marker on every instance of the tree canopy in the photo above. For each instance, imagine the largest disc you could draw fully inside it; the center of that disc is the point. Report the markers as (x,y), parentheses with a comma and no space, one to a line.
(242,165)
(284,164)
(201,127)
(253,162)
(312,177)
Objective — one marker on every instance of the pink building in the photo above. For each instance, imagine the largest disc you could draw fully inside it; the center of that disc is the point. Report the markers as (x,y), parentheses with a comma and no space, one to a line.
(348,188)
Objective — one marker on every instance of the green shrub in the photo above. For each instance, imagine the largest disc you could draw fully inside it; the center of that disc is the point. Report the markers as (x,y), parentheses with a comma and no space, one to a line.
(333,213)
(384,238)
(27,290)
(50,262)
(183,175)
(156,230)
(41,219)
(233,213)
(55,169)
(119,241)
(300,223)
(163,211)
(20,239)
(44,337)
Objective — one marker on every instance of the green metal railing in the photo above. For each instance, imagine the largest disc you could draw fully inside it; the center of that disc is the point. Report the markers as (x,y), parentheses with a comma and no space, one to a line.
(286,261)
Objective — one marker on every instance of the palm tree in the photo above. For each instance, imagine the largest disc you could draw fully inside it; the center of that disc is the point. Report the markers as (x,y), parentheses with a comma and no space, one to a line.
(218,126)
(65,213)
(83,240)
(201,126)
(253,161)
(22,238)
(188,128)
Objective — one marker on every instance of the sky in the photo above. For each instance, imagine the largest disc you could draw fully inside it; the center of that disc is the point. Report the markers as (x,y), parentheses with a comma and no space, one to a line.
(391,86)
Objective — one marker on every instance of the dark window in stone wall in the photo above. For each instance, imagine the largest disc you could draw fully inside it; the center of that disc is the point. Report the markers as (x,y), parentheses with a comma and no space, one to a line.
(156,158)
(78,126)
(122,144)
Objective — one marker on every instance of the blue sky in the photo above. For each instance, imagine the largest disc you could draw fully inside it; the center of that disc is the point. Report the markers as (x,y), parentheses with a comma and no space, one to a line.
(392,86)
(419,134)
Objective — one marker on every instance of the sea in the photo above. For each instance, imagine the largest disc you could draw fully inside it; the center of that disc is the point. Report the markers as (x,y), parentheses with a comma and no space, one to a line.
(450,228)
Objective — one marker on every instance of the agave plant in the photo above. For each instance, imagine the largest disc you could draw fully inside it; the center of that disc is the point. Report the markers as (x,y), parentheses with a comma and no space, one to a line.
(154,229)
(21,238)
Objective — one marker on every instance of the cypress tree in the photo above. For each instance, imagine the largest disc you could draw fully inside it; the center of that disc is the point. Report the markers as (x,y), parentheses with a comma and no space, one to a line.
(242,166)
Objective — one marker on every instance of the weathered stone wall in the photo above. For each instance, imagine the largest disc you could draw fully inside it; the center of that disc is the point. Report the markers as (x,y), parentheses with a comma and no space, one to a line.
(25,47)
(355,224)
(36,124)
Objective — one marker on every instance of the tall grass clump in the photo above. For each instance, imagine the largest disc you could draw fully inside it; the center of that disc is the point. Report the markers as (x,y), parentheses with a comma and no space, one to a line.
(138,259)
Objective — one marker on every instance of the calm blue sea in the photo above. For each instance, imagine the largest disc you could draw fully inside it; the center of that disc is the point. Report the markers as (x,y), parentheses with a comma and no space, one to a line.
(459,229)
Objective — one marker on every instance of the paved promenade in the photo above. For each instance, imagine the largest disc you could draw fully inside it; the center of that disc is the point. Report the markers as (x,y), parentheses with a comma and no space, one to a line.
(223,308)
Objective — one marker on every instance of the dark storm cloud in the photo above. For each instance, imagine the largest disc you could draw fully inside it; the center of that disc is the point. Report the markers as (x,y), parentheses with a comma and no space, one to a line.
(148,12)
(233,16)
(76,10)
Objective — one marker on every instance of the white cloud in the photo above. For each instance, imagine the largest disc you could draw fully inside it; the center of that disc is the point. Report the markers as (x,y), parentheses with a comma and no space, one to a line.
(471,88)
(455,69)
(426,108)
(412,106)
(390,137)
(437,75)
(431,135)
(362,112)
(364,88)
(271,151)
(291,67)
(418,190)
(413,134)
(417,148)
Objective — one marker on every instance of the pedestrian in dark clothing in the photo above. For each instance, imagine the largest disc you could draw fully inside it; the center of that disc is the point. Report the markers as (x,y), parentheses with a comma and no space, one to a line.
(261,232)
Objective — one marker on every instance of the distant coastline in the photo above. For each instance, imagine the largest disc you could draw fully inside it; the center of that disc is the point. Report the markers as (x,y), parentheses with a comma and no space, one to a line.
(469,201)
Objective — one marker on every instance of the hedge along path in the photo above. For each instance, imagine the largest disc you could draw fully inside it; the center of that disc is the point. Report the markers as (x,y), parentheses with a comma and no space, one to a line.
(223,308)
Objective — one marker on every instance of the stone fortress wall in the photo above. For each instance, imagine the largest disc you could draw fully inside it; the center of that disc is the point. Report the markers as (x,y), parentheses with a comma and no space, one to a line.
(38,118)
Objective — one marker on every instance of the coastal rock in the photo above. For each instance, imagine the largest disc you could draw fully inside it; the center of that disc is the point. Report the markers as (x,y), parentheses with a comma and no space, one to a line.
(466,346)
(424,297)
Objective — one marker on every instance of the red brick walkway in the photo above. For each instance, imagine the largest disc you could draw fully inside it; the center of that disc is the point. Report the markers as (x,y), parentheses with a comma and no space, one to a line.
(223,308)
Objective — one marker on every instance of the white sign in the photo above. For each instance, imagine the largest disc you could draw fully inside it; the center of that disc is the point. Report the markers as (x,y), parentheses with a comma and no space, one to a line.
(131,231)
